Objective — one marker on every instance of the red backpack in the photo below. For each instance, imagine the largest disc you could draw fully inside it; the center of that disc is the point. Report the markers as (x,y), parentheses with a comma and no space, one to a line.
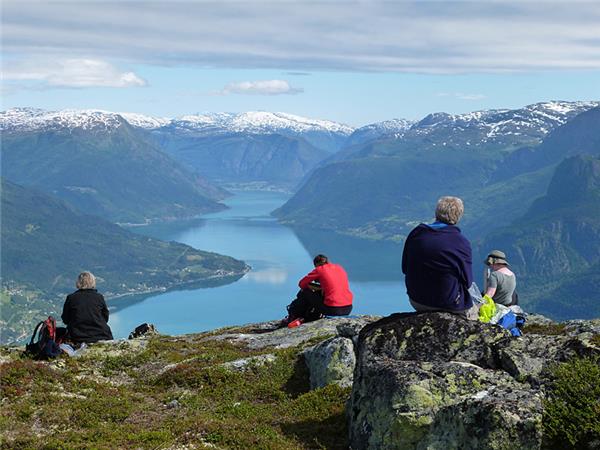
(44,343)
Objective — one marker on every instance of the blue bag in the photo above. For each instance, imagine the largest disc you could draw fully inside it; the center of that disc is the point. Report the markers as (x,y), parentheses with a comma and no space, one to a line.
(509,321)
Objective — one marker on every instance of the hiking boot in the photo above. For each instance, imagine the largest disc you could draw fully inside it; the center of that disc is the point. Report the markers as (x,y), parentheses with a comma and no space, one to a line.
(296,323)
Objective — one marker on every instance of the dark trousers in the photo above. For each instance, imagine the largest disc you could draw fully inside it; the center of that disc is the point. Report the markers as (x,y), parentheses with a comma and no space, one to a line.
(309,305)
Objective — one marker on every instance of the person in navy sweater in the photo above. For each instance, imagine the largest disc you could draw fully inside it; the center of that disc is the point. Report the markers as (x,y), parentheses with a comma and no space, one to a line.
(437,263)
(323,291)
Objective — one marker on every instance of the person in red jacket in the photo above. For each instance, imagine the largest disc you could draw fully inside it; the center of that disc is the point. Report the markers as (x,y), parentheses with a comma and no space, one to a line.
(324,291)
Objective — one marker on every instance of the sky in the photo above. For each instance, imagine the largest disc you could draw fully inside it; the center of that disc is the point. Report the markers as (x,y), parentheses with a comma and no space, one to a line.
(353,62)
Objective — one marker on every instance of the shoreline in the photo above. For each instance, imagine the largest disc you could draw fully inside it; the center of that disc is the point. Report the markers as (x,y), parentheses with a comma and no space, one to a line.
(230,188)
(163,289)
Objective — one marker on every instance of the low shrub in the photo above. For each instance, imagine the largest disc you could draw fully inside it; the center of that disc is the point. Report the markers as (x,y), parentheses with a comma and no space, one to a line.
(572,408)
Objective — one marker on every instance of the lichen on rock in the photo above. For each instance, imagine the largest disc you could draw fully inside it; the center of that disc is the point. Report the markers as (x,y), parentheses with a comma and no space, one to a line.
(434,381)
(331,361)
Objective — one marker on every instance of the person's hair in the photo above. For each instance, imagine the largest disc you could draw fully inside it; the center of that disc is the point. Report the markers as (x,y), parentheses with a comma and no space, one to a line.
(319,260)
(86,280)
(449,210)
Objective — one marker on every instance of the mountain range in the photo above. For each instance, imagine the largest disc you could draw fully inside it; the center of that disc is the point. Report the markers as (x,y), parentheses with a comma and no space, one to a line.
(253,147)
(380,189)
(271,148)
(374,182)
(100,164)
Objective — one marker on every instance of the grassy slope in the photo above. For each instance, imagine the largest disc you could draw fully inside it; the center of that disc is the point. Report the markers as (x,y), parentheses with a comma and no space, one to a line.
(108,399)
(174,393)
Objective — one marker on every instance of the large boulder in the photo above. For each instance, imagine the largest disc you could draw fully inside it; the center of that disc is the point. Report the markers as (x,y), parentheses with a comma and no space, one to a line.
(433,381)
(331,362)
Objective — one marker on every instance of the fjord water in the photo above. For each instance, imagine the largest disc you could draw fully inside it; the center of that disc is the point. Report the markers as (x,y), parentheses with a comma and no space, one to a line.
(279,257)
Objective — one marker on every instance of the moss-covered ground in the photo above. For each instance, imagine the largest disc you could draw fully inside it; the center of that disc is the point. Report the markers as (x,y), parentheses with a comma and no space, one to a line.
(172,393)
(572,407)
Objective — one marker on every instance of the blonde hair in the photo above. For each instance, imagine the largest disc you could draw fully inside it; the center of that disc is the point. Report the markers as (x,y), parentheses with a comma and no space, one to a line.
(86,280)
(449,210)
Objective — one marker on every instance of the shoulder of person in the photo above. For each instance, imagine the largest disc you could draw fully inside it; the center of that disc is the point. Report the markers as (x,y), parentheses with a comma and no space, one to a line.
(422,227)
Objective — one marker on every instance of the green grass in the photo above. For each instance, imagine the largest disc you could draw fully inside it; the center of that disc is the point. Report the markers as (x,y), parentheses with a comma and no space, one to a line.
(124,401)
(572,408)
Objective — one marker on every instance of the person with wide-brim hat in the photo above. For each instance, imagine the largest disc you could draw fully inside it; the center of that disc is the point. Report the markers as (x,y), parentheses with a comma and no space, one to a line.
(501,282)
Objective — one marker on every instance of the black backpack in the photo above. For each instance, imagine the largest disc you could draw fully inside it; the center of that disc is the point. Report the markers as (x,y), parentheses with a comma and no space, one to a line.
(44,343)
(141,330)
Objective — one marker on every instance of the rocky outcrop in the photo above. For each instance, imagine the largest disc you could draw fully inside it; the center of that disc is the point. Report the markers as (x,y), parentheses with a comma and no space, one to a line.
(437,381)
(331,361)
(270,335)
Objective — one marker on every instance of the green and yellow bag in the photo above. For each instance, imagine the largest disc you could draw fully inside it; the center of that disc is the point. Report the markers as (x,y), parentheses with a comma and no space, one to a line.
(487,310)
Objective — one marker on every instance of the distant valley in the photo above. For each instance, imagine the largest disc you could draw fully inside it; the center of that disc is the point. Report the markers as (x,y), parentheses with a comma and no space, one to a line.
(256,147)
(69,176)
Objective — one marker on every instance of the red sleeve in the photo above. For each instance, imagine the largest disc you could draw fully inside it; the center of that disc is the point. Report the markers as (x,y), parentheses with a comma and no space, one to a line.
(312,276)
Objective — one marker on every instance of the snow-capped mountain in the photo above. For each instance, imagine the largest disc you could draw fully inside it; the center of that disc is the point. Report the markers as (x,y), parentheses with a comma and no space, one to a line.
(534,121)
(33,119)
(144,121)
(323,133)
(503,128)
(258,122)
(393,127)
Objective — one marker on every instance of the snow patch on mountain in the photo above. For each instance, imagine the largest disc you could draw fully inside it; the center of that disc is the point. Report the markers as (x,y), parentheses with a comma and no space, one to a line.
(388,128)
(33,119)
(258,122)
(143,121)
(537,120)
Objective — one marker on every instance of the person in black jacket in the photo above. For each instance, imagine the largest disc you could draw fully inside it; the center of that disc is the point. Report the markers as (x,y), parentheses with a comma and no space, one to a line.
(85,312)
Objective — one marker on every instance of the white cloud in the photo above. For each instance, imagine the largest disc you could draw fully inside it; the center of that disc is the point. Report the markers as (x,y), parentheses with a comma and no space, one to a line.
(402,36)
(71,73)
(260,87)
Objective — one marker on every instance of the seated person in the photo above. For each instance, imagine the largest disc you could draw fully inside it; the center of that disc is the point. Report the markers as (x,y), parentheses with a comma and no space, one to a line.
(501,282)
(324,291)
(437,263)
(85,312)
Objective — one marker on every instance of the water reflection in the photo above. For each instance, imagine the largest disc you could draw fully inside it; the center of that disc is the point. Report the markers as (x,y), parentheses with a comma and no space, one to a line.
(364,260)
(279,257)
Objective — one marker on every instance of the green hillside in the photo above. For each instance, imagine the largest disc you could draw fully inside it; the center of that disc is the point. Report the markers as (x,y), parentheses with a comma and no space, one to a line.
(380,191)
(46,243)
(382,197)
(242,158)
(555,247)
(115,173)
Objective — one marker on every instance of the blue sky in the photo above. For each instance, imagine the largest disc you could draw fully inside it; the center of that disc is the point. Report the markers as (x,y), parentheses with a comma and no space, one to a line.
(353,62)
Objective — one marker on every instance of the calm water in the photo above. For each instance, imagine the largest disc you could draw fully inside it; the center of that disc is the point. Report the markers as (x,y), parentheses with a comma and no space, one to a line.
(279,257)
